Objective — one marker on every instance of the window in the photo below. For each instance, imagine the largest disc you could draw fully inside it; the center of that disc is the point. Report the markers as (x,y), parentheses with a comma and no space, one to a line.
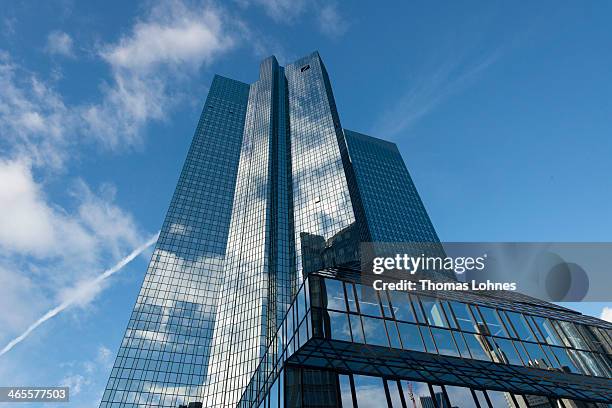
(411,338)
(496,328)
(368,388)
(375,332)
(430,346)
(304,68)
(335,294)
(550,335)
(345,391)
(463,349)
(350,297)
(368,301)
(393,334)
(475,344)
(520,325)
(500,399)
(401,306)
(505,352)
(464,317)
(433,311)
(416,393)
(460,396)
(572,334)
(537,357)
(384,300)
(339,326)
(444,341)
(393,388)
(566,363)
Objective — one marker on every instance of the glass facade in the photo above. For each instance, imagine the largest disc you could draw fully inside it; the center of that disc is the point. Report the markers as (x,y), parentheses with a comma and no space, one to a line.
(254,298)
(164,356)
(392,206)
(344,344)
(322,207)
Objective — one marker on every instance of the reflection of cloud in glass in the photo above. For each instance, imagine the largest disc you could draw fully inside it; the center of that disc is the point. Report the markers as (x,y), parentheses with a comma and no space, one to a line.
(369,391)
(322,204)
(460,397)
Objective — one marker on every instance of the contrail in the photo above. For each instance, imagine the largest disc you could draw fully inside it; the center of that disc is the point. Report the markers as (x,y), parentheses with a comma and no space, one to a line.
(71,300)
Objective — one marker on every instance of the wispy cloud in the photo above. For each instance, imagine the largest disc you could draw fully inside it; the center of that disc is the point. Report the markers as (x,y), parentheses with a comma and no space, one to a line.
(59,43)
(45,249)
(35,124)
(49,250)
(606,314)
(173,36)
(86,378)
(32,226)
(150,67)
(327,15)
(169,45)
(80,294)
(427,91)
(331,22)
(281,11)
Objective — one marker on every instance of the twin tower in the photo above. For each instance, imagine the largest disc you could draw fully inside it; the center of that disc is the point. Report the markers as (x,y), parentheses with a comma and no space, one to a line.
(273,189)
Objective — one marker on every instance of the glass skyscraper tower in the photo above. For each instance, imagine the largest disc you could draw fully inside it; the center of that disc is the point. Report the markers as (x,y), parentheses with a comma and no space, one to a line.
(254,296)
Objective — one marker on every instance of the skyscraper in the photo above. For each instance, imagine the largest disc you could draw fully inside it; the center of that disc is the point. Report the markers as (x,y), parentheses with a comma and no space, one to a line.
(253,296)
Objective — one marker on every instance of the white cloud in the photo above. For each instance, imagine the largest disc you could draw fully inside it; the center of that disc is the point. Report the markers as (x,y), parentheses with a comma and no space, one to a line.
(34,121)
(149,69)
(75,383)
(60,43)
(279,10)
(86,378)
(328,18)
(30,225)
(173,35)
(19,299)
(48,253)
(172,43)
(426,92)
(104,356)
(331,22)
(80,294)
(606,314)
(26,222)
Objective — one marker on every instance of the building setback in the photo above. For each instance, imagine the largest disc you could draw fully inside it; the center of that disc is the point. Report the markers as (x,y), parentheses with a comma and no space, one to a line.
(254,296)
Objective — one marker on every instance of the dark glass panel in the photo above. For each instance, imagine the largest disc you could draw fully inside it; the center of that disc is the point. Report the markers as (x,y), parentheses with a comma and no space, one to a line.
(339,326)
(460,397)
(506,352)
(368,301)
(496,328)
(464,317)
(520,325)
(411,338)
(475,344)
(356,329)
(401,306)
(368,389)
(375,332)
(433,311)
(444,341)
(334,294)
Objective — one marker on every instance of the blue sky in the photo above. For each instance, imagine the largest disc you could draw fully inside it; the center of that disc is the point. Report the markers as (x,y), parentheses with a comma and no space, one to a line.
(502,113)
